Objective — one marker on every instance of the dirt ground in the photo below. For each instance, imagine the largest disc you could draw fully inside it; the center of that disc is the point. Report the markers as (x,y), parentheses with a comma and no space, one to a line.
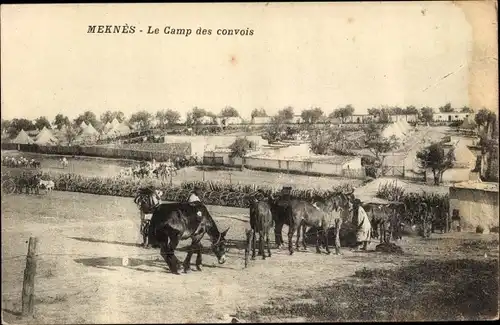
(81,278)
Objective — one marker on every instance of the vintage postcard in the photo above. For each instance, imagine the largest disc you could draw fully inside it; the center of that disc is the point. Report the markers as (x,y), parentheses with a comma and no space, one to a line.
(249,162)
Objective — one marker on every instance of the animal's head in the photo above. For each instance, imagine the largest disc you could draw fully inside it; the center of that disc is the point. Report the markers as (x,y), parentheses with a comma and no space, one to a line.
(219,246)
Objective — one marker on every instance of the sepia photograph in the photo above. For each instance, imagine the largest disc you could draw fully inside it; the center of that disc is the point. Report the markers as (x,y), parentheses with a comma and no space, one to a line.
(249,162)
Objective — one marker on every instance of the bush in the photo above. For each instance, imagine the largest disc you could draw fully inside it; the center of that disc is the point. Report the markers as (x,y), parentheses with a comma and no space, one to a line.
(479,229)
(213,193)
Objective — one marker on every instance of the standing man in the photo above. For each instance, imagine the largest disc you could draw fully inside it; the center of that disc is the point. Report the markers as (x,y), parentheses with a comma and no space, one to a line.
(363,226)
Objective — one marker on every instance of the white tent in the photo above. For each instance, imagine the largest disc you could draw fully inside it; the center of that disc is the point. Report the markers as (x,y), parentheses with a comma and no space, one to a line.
(107,127)
(115,123)
(45,137)
(22,138)
(119,130)
(88,134)
(83,125)
(463,156)
(469,123)
(89,130)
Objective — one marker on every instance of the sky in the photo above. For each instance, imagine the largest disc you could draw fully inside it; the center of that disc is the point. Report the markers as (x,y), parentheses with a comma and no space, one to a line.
(300,55)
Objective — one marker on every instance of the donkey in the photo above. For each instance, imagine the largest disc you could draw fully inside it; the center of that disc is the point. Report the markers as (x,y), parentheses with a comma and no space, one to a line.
(173,222)
(296,213)
(261,221)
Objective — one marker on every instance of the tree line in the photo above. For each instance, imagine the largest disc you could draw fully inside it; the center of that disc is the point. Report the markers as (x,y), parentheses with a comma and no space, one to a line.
(168,117)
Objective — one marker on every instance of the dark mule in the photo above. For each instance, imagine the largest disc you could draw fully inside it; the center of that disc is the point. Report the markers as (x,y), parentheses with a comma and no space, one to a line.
(173,222)
(261,222)
(296,213)
(147,200)
(386,220)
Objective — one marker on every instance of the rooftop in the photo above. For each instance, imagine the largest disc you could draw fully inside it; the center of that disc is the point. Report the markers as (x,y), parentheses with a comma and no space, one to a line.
(474,185)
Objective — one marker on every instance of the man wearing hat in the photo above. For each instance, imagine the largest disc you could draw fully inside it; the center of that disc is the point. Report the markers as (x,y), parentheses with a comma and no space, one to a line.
(363,225)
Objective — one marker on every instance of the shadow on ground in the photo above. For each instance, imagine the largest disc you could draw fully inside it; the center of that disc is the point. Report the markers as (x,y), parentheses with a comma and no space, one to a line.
(460,289)
(93,240)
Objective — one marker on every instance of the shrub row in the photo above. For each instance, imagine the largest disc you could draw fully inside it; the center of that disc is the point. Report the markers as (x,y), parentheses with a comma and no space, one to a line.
(412,201)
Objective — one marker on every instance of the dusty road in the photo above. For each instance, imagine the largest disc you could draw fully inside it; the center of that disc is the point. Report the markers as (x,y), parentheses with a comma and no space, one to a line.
(81,279)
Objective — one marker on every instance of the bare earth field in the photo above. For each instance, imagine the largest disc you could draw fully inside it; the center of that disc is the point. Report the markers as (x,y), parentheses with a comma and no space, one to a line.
(104,167)
(81,279)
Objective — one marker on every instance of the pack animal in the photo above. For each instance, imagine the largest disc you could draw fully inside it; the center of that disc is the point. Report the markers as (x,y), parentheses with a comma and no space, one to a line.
(261,222)
(296,213)
(173,222)
(386,220)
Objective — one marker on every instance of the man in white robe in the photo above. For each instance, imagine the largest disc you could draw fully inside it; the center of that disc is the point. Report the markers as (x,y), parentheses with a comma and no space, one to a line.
(363,226)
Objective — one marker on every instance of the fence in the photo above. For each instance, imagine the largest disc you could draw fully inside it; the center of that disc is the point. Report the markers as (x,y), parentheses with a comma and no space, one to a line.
(285,166)
(171,150)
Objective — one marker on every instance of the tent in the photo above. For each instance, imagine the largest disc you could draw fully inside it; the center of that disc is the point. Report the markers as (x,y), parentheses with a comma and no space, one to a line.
(22,138)
(119,130)
(392,130)
(83,125)
(45,137)
(88,134)
(463,156)
(115,123)
(469,123)
(107,127)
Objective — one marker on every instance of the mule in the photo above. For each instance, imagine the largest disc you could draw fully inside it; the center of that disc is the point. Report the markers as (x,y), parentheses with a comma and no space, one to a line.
(147,200)
(261,222)
(296,213)
(173,222)
(386,220)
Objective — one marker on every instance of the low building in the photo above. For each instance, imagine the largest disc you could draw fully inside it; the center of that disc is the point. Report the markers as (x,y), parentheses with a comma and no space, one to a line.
(403,117)
(476,203)
(450,117)
(261,120)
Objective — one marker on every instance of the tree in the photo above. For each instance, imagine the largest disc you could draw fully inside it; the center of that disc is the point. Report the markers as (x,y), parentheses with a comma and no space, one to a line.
(275,129)
(229,111)
(427,114)
(172,116)
(60,120)
(379,145)
(16,125)
(482,117)
(343,112)
(240,147)
(312,115)
(194,117)
(42,122)
(88,117)
(446,108)
(70,133)
(323,141)
(396,110)
(466,109)
(142,119)
(259,113)
(411,110)
(434,157)
(109,116)
(375,112)
(285,114)
(5,125)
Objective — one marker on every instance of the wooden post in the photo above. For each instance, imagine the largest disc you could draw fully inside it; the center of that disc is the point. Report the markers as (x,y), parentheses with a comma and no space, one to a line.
(203,175)
(230,179)
(28,296)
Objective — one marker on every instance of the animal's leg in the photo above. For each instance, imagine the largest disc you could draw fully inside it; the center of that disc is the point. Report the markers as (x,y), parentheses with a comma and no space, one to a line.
(381,232)
(253,244)
(318,240)
(187,260)
(304,231)
(267,243)
(298,237)
(292,228)
(174,261)
(278,234)
(338,225)
(261,245)
(325,238)
(248,246)
(198,256)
